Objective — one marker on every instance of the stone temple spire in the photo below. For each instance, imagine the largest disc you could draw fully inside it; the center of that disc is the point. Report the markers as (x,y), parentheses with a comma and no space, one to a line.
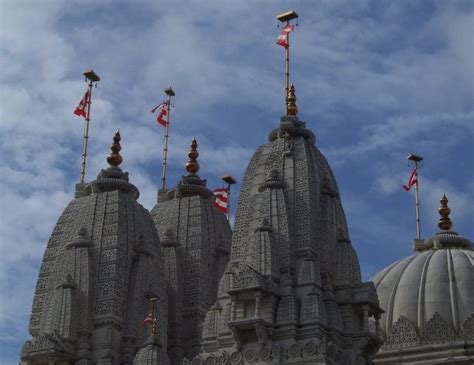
(195,239)
(101,266)
(292,291)
(444,211)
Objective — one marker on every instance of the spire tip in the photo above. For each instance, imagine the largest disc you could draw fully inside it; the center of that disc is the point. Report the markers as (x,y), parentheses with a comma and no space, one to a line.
(114,158)
(444,211)
(192,166)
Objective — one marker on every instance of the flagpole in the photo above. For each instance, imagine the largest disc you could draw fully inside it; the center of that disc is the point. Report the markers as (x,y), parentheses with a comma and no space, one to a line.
(417,203)
(286,17)
(154,325)
(92,77)
(416,160)
(287,70)
(169,91)
(230,181)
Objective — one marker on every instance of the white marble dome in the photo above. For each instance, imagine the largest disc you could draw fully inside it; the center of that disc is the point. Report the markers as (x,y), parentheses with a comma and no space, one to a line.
(428,297)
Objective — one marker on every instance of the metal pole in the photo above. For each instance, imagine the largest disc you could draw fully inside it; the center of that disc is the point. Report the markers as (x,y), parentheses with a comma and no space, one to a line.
(165,150)
(228,202)
(417,204)
(154,325)
(86,135)
(287,69)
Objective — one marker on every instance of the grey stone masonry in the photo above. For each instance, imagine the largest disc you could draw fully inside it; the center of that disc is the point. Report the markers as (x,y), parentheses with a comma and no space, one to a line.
(428,300)
(102,264)
(195,238)
(292,292)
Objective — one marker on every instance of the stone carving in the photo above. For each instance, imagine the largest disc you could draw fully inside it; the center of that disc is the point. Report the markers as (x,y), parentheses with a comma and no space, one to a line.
(290,228)
(404,333)
(91,296)
(467,331)
(196,241)
(437,330)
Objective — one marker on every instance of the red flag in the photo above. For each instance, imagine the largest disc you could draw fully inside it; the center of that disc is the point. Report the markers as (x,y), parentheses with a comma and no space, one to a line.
(81,108)
(221,201)
(283,36)
(412,181)
(148,320)
(163,112)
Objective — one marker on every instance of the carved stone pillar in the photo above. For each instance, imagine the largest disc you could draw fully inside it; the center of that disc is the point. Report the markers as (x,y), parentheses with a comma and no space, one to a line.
(346,313)
(258,300)
(365,318)
(233,308)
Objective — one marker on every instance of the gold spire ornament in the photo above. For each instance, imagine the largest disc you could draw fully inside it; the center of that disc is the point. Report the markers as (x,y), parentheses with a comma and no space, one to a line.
(444,211)
(192,166)
(114,158)
(291,108)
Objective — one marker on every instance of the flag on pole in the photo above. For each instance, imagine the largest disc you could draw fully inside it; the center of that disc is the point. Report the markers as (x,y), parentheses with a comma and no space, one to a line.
(162,113)
(148,320)
(412,181)
(81,108)
(221,201)
(283,36)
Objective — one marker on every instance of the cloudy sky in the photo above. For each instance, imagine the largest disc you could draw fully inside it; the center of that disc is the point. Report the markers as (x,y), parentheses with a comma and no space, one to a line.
(376,80)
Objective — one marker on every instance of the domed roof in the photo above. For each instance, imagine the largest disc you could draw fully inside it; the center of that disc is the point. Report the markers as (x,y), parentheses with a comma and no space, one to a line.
(429,296)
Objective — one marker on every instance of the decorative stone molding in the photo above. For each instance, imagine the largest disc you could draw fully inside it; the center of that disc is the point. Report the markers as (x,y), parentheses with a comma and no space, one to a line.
(403,334)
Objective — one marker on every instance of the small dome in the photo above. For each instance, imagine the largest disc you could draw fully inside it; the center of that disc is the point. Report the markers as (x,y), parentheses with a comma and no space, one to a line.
(434,281)
(428,297)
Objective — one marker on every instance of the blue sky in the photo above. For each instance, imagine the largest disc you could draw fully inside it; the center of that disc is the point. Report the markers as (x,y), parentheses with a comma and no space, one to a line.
(375,80)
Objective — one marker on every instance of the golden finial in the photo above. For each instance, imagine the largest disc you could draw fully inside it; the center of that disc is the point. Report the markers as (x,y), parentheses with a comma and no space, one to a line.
(192,166)
(291,108)
(114,158)
(444,222)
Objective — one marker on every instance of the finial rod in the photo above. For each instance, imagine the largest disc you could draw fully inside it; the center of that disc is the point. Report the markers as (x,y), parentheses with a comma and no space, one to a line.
(192,166)
(286,18)
(230,181)
(170,93)
(154,324)
(92,77)
(416,161)
(444,211)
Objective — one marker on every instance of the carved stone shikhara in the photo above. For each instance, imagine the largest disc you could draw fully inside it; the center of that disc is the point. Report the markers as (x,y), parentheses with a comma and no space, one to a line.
(196,245)
(102,264)
(291,293)
(284,289)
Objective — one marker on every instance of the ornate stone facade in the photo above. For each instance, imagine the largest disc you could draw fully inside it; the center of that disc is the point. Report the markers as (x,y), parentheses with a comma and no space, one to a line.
(196,245)
(101,266)
(291,292)
(429,302)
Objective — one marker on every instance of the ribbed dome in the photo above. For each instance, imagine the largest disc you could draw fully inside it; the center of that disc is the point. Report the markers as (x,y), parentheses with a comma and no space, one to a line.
(435,281)
(428,300)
